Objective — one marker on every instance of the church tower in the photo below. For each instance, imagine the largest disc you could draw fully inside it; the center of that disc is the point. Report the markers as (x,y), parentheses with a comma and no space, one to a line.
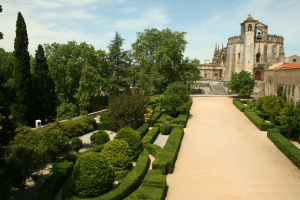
(248,35)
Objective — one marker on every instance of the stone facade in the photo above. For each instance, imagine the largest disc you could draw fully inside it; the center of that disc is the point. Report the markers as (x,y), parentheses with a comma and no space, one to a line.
(254,51)
(292,59)
(286,75)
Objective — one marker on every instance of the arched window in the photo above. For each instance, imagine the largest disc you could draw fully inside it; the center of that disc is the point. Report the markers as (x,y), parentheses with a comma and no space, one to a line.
(249,27)
(258,57)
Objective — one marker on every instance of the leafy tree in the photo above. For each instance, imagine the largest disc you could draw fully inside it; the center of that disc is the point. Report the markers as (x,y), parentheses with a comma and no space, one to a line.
(66,65)
(100,137)
(126,111)
(67,110)
(175,96)
(43,88)
(119,61)
(22,104)
(242,83)
(273,105)
(25,156)
(279,91)
(76,143)
(290,116)
(159,61)
(54,141)
(88,93)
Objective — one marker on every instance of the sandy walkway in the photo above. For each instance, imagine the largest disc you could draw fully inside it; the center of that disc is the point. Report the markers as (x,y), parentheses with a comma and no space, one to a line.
(224,156)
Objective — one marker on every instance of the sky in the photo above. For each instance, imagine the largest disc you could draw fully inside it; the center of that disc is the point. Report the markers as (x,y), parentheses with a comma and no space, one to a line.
(96,21)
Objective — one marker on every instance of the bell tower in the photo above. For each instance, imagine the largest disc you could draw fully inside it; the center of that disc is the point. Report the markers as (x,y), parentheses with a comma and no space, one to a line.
(248,27)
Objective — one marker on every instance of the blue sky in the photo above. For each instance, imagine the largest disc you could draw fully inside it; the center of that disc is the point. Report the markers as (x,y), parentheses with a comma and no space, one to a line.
(95,21)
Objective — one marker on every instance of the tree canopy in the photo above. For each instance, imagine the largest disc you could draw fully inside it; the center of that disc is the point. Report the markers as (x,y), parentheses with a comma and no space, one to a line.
(242,83)
(159,61)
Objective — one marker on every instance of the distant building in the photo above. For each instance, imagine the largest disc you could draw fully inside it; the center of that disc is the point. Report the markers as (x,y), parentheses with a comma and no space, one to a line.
(292,59)
(253,51)
(286,75)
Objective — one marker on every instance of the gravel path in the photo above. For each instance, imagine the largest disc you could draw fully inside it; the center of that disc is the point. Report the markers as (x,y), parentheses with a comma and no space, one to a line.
(161,140)
(223,155)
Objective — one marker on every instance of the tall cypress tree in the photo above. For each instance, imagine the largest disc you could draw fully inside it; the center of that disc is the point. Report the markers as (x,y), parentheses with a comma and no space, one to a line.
(22,104)
(43,88)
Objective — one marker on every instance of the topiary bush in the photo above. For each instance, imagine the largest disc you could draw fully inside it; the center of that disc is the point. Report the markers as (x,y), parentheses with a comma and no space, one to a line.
(92,175)
(118,155)
(165,128)
(100,137)
(76,144)
(132,138)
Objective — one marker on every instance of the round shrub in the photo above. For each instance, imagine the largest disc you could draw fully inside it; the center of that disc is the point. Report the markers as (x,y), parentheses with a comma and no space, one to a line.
(76,144)
(132,138)
(118,155)
(100,137)
(92,175)
(165,128)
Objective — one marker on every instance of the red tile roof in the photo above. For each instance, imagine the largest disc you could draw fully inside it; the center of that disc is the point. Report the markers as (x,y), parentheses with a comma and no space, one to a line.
(286,66)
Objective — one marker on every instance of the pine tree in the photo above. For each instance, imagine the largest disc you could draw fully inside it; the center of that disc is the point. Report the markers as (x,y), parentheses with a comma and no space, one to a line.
(43,89)
(22,104)
(119,62)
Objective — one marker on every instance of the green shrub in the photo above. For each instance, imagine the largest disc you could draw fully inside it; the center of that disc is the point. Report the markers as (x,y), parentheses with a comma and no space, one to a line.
(88,120)
(288,148)
(154,118)
(142,131)
(151,136)
(76,144)
(62,169)
(132,138)
(238,103)
(54,141)
(92,175)
(104,125)
(165,128)
(126,111)
(105,116)
(257,121)
(157,108)
(100,137)
(153,187)
(185,107)
(162,118)
(165,159)
(153,149)
(132,181)
(119,156)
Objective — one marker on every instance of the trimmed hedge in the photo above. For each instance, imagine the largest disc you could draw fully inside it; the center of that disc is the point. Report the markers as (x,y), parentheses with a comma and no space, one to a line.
(154,118)
(104,125)
(88,120)
(142,131)
(153,149)
(153,187)
(288,148)
(257,121)
(165,159)
(62,171)
(158,107)
(238,103)
(129,184)
(50,187)
(162,118)
(151,135)
(182,117)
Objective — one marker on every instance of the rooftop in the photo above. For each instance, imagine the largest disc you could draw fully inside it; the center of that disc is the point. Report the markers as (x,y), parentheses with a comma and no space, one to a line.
(286,66)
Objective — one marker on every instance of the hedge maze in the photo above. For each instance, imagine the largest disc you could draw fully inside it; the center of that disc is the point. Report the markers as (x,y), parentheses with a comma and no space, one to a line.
(140,182)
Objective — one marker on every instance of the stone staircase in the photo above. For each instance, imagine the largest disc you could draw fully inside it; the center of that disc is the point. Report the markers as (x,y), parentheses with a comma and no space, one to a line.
(219,89)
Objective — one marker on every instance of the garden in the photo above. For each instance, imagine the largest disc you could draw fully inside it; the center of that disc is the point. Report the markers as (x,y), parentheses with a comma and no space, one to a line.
(279,117)
(118,168)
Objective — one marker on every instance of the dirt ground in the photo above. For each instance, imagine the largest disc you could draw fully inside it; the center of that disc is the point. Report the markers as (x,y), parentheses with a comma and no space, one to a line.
(224,156)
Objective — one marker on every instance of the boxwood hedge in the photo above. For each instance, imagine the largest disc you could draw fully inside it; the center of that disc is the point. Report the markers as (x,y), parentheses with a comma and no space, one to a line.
(288,148)
(257,121)
(142,131)
(240,105)
(165,158)
(151,135)
(153,187)
(154,118)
